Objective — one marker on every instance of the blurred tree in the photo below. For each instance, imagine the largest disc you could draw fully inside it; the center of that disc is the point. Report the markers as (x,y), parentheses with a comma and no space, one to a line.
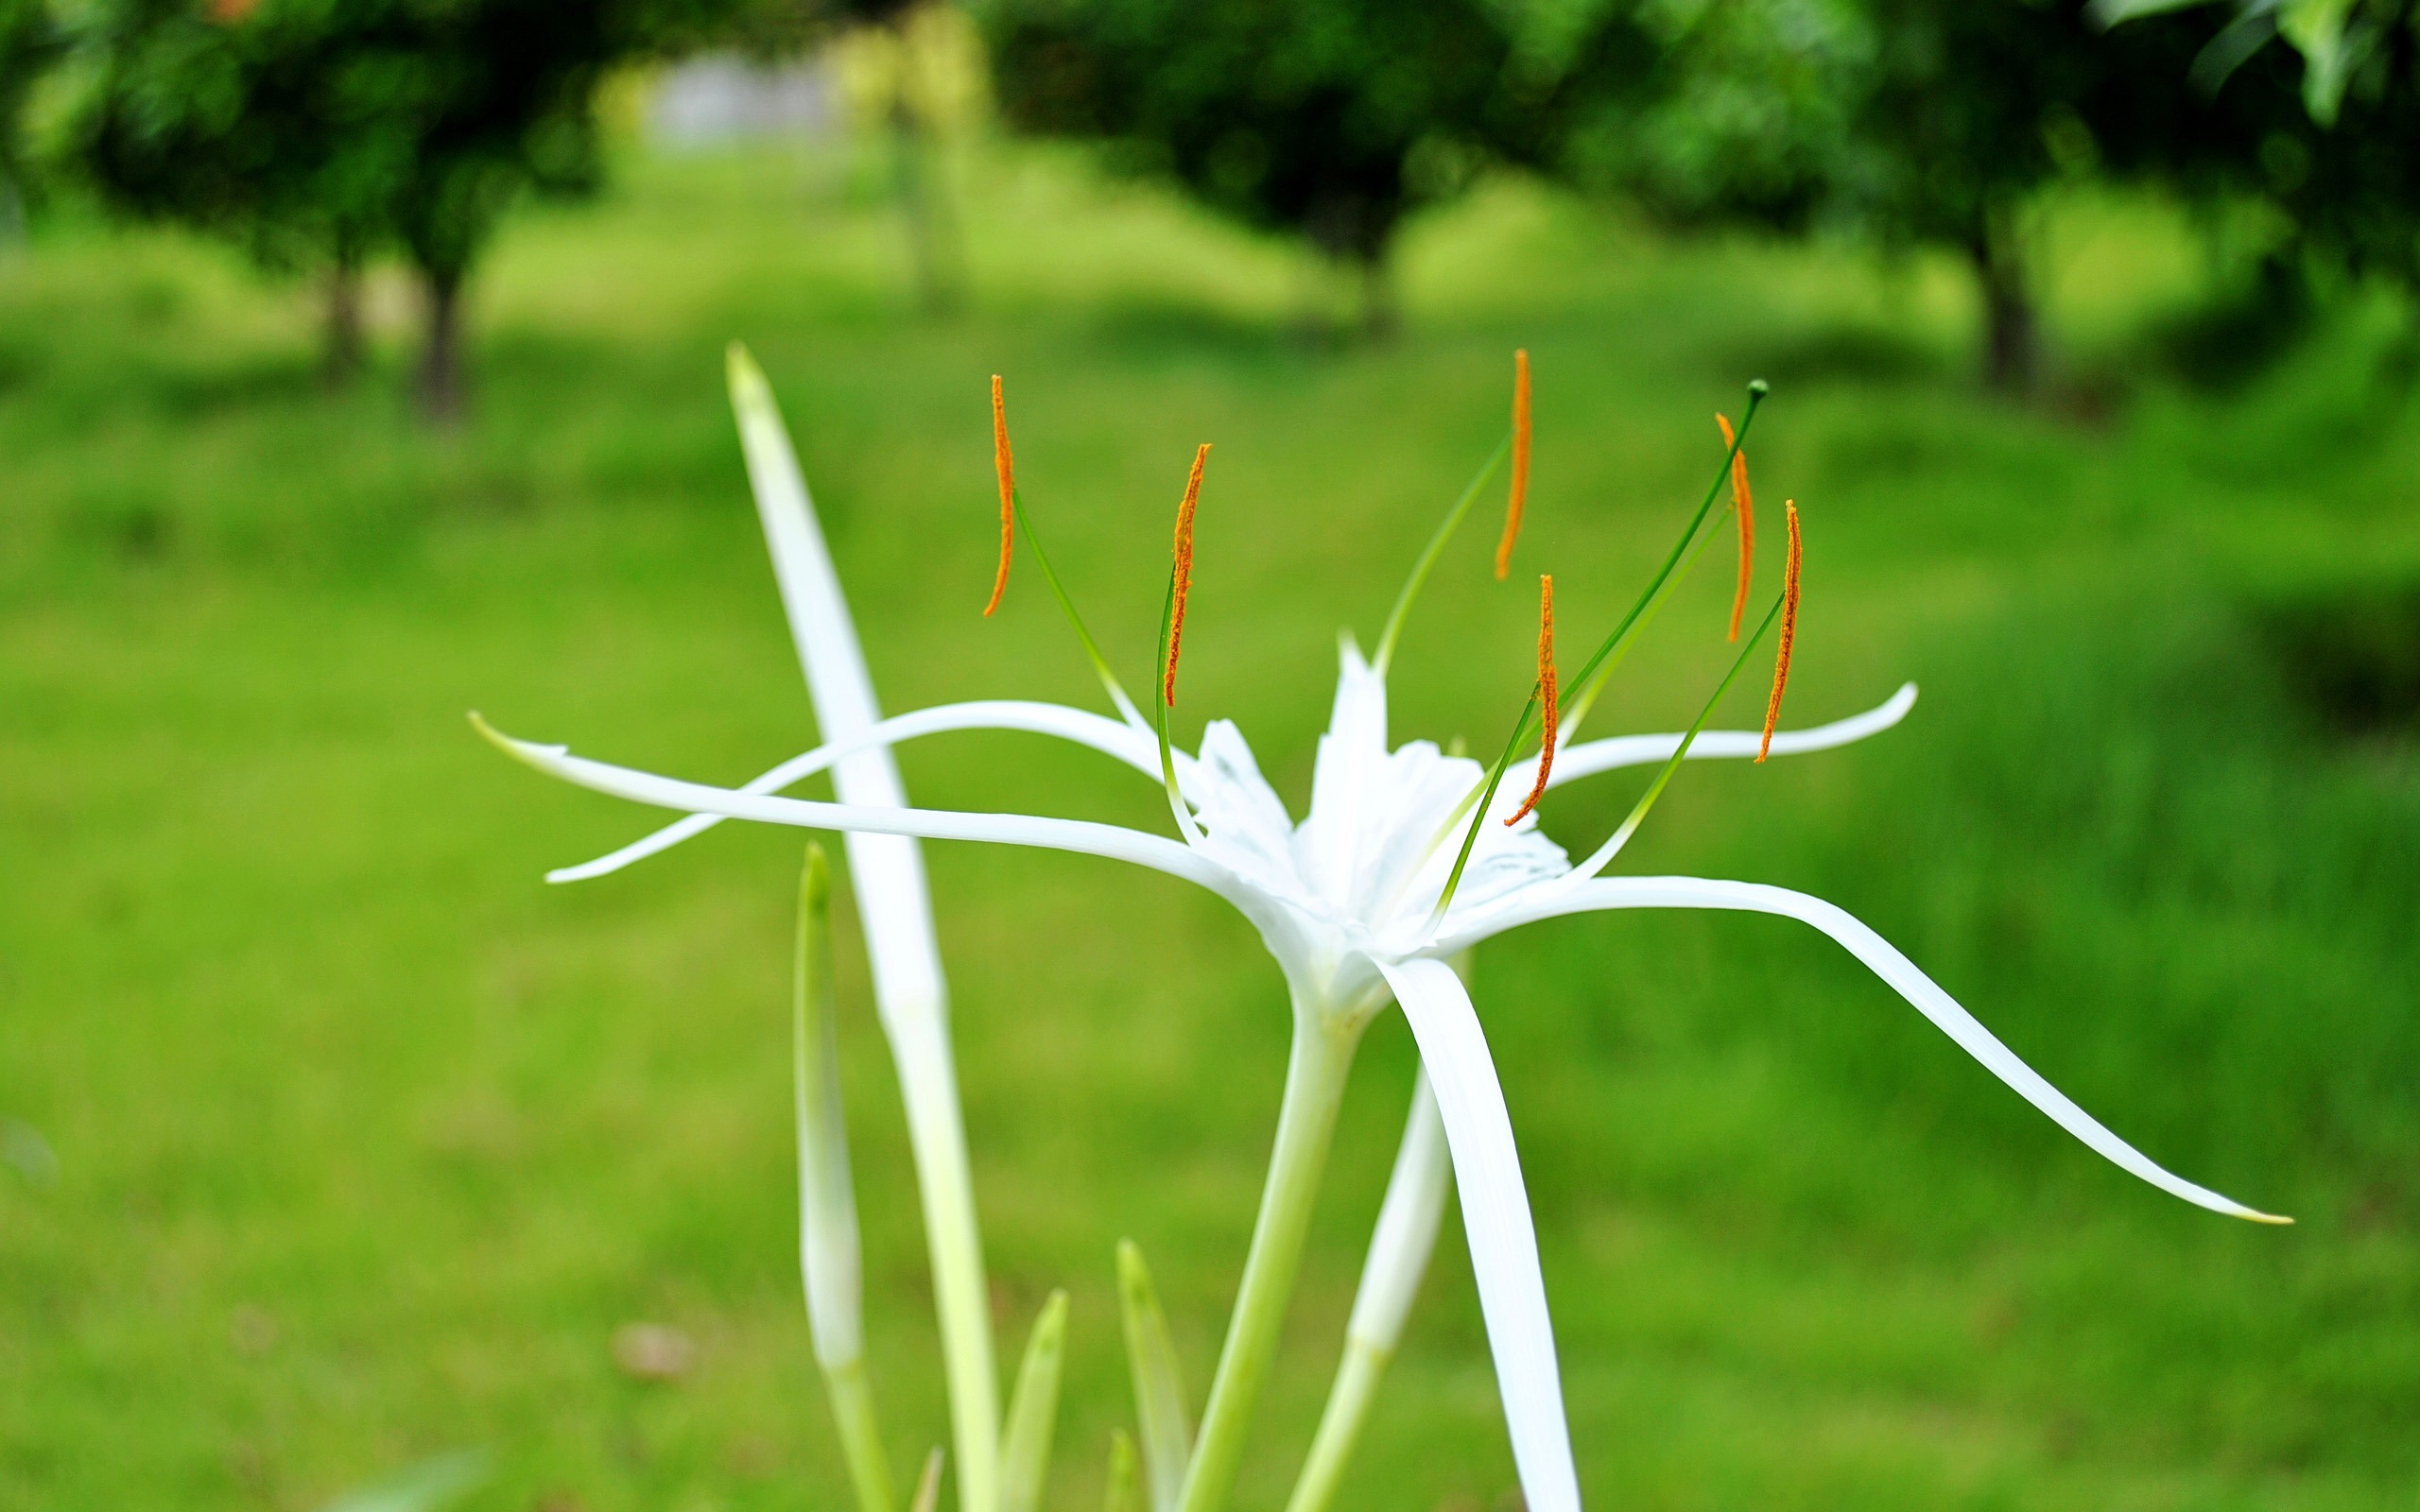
(899,39)
(30,42)
(1910,122)
(317,131)
(1329,119)
(2322,130)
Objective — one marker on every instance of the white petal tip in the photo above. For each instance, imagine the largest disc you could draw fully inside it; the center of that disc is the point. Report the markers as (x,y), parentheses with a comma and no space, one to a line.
(2277,1219)
(1902,700)
(747,380)
(523,751)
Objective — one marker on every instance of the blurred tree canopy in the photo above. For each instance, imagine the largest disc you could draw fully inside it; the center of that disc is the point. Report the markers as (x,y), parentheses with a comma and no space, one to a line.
(316,132)
(1327,120)
(1938,122)
(30,42)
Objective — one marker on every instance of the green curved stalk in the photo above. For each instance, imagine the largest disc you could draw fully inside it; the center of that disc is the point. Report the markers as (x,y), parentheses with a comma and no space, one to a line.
(1400,1245)
(1316,1069)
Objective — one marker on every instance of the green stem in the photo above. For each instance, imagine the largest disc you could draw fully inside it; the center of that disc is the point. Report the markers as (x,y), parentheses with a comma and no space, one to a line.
(937,1138)
(860,1436)
(1315,1076)
(1348,1408)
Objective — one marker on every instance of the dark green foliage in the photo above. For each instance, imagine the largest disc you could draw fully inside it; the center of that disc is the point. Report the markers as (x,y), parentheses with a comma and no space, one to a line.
(29,44)
(323,130)
(1329,120)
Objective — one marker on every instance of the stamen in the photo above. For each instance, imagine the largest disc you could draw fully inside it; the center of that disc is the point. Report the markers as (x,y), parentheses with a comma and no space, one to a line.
(1788,629)
(1744,505)
(1520,494)
(1545,697)
(1005,466)
(1183,579)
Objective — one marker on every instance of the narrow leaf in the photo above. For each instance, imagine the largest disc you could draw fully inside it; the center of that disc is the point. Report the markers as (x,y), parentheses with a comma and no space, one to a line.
(1159,1388)
(421,1488)
(1033,1410)
(828,1251)
(1118,1496)
(928,1485)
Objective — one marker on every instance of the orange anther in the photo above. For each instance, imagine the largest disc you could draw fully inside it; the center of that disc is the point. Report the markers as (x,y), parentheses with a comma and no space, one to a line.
(1788,629)
(1005,467)
(1744,505)
(1520,494)
(1183,571)
(1547,695)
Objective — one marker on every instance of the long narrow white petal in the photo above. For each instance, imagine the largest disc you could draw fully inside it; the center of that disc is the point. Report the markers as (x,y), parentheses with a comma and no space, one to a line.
(1590,757)
(887,870)
(897,915)
(1083,836)
(1884,959)
(1105,735)
(1495,1220)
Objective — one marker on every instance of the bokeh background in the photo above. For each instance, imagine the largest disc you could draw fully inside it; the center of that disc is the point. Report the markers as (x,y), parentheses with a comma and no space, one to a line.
(360,365)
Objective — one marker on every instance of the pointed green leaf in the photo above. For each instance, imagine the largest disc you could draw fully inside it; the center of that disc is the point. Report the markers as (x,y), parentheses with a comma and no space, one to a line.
(421,1488)
(928,1485)
(827,1206)
(1033,1410)
(1159,1388)
(1119,1494)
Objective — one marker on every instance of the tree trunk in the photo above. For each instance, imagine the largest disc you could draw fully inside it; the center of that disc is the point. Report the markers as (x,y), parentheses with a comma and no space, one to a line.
(440,364)
(923,199)
(2012,335)
(1381,313)
(340,352)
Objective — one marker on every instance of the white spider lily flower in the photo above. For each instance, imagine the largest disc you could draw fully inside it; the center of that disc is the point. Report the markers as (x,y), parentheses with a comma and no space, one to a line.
(1360,904)
(896,914)
(1344,901)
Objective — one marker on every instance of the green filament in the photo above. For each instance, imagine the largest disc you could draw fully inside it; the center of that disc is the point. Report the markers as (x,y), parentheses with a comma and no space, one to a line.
(1092,649)
(1429,554)
(1603,660)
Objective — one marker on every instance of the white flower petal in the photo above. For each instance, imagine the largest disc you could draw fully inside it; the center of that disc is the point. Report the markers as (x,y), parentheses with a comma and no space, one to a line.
(1108,736)
(1495,1219)
(1325,848)
(1882,958)
(889,871)
(896,914)
(1082,836)
(1590,757)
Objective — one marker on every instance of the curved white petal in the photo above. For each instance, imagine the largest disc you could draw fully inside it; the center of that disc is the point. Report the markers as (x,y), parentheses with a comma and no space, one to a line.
(1082,836)
(1884,959)
(1495,1220)
(1590,757)
(1136,749)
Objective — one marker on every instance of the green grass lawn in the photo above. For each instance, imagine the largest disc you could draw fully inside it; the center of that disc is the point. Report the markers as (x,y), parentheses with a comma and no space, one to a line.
(368,1141)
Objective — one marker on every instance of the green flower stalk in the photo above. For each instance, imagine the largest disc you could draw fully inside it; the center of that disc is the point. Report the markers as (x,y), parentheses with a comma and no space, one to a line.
(1408,1218)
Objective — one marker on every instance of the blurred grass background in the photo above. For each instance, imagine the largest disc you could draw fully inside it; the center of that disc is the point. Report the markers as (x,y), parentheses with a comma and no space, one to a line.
(368,1141)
